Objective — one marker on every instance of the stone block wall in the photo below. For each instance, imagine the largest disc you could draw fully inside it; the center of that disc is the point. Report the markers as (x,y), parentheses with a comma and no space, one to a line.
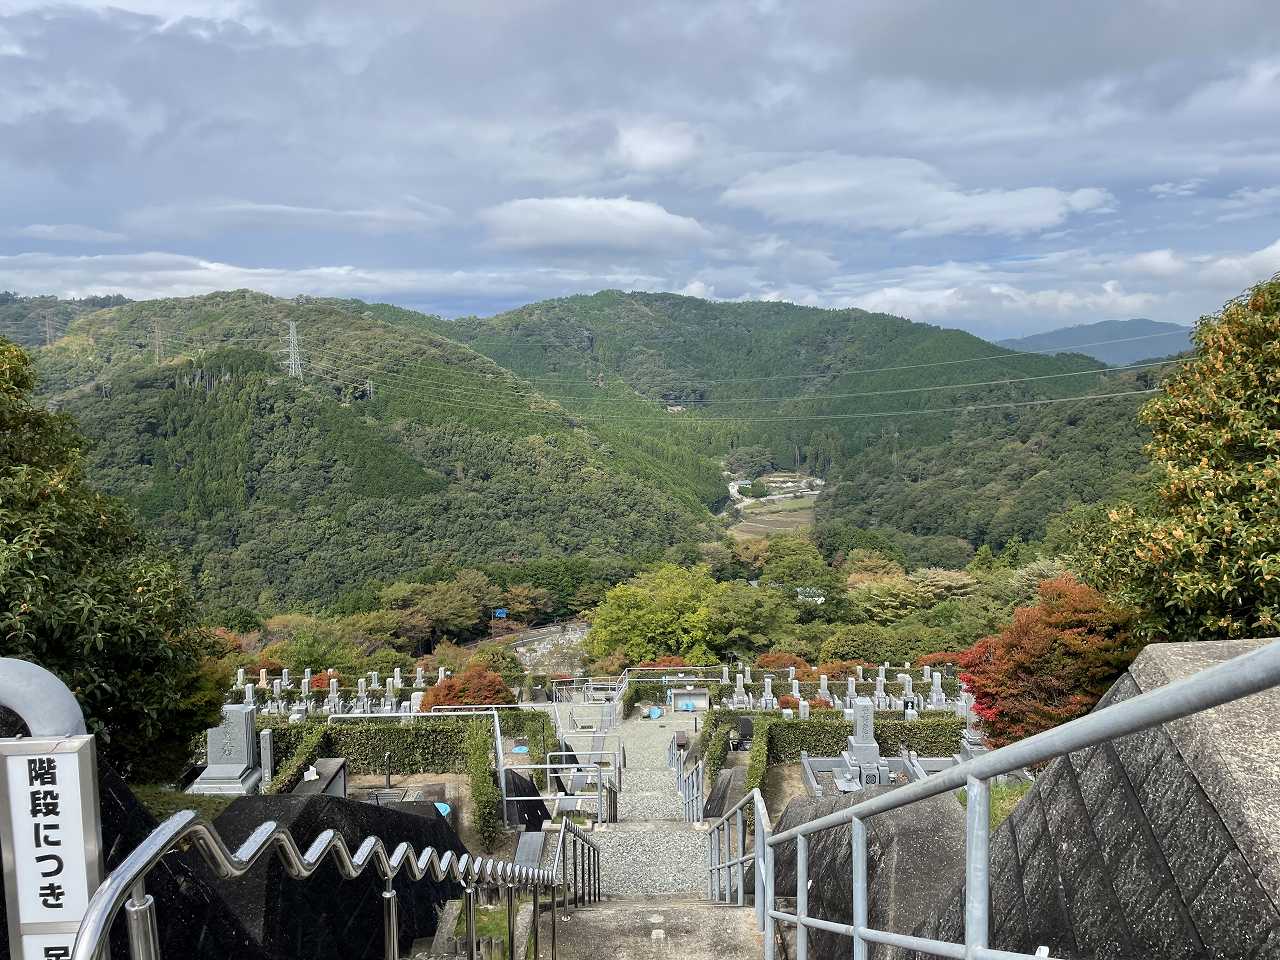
(1160,845)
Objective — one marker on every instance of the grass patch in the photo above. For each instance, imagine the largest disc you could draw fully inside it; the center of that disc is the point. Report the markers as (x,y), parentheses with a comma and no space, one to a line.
(163,803)
(1004,797)
(490,921)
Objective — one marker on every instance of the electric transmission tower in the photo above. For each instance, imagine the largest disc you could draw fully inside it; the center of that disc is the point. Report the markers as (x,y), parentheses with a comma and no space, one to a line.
(293,364)
(48,329)
(155,342)
(368,388)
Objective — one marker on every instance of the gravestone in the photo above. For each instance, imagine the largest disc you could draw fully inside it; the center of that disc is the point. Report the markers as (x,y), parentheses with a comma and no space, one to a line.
(724,675)
(267,754)
(767,701)
(858,671)
(284,677)
(822,687)
(306,680)
(747,671)
(240,677)
(262,678)
(804,709)
(937,699)
(795,689)
(233,754)
(419,680)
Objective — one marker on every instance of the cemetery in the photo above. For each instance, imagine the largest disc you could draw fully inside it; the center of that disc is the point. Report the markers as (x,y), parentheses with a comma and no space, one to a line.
(537,828)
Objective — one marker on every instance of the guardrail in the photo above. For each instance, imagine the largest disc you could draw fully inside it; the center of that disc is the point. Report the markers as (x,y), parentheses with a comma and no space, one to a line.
(1236,678)
(688,782)
(126,886)
(606,797)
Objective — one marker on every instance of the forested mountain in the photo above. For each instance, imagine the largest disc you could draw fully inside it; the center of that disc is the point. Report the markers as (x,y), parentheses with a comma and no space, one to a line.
(1113,342)
(928,432)
(815,386)
(587,427)
(281,491)
(34,321)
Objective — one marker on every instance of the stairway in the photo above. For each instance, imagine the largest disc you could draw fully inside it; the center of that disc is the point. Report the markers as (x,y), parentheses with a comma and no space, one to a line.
(659,928)
(651,850)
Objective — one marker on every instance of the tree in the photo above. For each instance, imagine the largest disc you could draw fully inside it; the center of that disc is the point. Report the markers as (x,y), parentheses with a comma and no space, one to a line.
(81,594)
(1203,563)
(1052,663)
(658,613)
(500,660)
(797,569)
(475,685)
(745,618)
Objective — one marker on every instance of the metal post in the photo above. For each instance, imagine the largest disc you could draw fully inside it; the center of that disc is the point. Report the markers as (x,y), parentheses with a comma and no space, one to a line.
(469,906)
(597,855)
(140,918)
(802,897)
(511,923)
(537,918)
(858,837)
(555,909)
(742,852)
(769,939)
(759,873)
(575,871)
(390,924)
(714,847)
(976,855)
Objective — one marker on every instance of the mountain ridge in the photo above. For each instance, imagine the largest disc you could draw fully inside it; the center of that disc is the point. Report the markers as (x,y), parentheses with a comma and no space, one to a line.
(1113,342)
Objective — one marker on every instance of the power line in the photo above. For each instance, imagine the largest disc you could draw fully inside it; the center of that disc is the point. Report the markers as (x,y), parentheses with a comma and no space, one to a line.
(463,390)
(700,421)
(1008,355)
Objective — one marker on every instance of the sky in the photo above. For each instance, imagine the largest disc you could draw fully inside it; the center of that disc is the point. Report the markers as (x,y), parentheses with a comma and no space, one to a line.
(1003,167)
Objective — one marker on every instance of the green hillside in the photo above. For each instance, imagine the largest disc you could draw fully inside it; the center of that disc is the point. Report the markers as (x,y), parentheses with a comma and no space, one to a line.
(919,427)
(281,492)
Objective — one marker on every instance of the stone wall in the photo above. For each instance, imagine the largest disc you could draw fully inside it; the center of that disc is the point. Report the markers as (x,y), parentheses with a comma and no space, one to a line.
(1163,844)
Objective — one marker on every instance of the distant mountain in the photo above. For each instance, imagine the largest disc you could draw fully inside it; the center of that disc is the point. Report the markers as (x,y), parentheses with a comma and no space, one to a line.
(936,435)
(1139,340)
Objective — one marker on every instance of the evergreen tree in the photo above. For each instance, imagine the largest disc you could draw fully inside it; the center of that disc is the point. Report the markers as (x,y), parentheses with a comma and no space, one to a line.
(81,595)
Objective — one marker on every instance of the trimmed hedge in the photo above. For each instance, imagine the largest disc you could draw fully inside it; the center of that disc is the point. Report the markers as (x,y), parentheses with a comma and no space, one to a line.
(313,743)
(486,798)
(715,754)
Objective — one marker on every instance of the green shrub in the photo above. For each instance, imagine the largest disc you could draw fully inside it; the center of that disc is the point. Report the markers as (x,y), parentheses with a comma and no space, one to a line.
(312,744)
(486,797)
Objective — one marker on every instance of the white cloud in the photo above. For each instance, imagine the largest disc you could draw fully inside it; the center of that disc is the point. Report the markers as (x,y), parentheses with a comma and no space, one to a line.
(904,196)
(585,223)
(1184,188)
(161,274)
(66,232)
(655,147)
(1249,203)
(211,216)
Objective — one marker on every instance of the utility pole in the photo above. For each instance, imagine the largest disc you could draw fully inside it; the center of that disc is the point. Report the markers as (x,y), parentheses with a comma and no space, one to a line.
(293,365)
(155,341)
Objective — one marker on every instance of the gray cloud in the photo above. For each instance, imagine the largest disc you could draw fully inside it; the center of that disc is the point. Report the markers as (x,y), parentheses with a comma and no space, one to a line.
(1004,167)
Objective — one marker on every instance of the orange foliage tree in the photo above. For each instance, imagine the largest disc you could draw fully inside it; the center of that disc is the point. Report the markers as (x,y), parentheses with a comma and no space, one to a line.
(1052,663)
(781,661)
(667,661)
(473,685)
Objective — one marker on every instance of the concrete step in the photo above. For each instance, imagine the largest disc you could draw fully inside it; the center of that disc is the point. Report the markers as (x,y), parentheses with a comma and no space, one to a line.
(658,928)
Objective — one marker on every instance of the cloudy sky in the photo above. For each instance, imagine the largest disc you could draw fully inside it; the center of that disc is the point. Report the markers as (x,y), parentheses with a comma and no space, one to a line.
(1002,167)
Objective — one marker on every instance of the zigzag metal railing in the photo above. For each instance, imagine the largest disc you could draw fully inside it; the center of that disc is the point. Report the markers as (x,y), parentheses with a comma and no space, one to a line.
(1236,678)
(126,886)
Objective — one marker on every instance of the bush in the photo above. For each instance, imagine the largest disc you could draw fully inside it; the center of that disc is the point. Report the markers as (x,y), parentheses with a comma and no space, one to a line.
(668,661)
(779,661)
(500,660)
(486,797)
(476,685)
(788,702)
(1052,664)
(313,744)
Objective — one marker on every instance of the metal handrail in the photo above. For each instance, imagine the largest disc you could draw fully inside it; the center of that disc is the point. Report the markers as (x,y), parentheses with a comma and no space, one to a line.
(1231,680)
(126,886)
(729,859)
(606,788)
(585,867)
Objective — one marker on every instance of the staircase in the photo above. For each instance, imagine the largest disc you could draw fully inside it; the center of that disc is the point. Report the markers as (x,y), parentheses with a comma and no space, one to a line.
(661,928)
(653,869)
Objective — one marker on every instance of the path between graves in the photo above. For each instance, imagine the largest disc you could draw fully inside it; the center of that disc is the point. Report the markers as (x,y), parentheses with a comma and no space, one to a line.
(651,850)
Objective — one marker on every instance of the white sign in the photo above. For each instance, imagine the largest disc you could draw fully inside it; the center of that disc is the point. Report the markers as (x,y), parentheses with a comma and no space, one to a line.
(51,838)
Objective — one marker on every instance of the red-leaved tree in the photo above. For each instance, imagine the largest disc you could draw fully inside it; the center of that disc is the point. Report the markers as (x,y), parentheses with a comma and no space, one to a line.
(781,661)
(667,661)
(1051,664)
(474,685)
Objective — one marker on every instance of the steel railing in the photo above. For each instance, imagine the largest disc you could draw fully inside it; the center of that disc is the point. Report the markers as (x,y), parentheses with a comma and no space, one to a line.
(606,790)
(689,782)
(126,886)
(1236,678)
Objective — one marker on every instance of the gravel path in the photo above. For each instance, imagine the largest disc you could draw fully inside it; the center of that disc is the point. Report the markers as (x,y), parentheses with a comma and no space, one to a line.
(654,858)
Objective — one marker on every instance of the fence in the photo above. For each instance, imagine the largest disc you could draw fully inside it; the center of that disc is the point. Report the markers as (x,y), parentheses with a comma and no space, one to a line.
(1236,678)
(126,886)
